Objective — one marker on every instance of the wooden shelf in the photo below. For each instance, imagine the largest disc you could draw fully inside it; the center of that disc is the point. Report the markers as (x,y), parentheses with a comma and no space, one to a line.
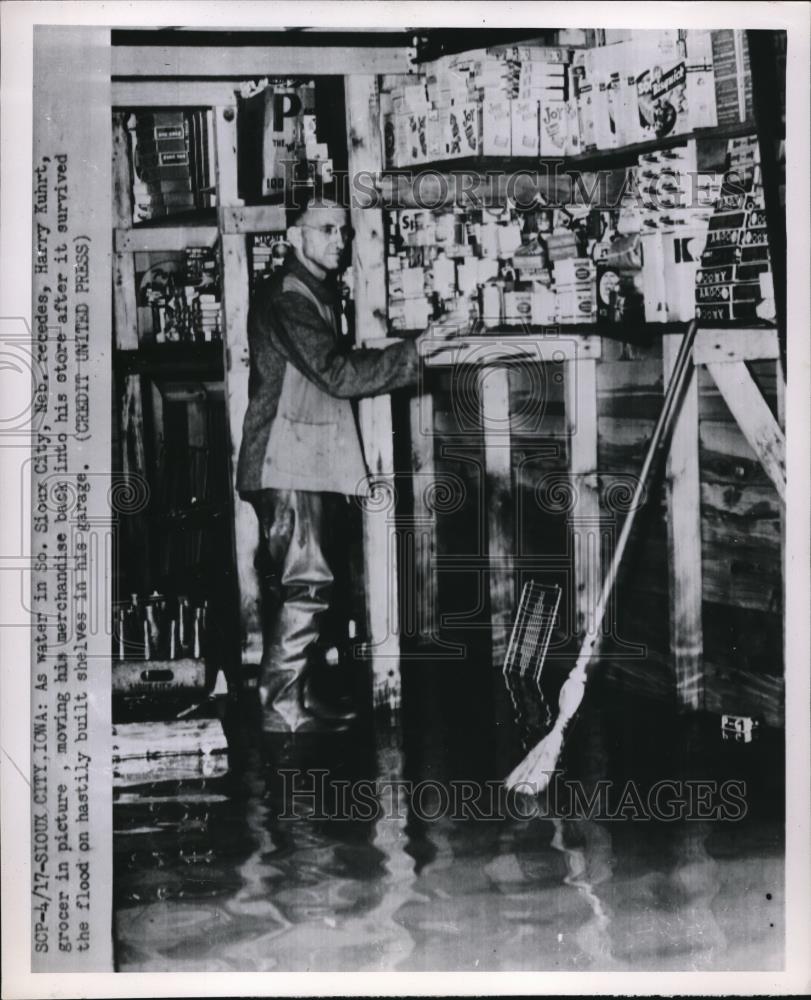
(594,159)
(626,156)
(714,344)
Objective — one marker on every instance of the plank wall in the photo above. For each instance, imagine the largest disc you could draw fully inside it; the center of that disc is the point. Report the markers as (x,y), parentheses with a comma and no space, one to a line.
(740,522)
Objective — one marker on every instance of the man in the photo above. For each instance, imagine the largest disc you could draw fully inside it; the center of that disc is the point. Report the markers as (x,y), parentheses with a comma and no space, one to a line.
(301,455)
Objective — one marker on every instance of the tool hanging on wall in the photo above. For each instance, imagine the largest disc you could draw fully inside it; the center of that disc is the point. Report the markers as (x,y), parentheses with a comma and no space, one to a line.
(541,762)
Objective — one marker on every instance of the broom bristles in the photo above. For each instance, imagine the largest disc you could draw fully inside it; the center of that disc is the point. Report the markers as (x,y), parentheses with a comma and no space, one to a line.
(536,769)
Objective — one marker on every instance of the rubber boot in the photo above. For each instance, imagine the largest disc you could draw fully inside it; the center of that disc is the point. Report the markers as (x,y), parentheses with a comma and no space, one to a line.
(293,524)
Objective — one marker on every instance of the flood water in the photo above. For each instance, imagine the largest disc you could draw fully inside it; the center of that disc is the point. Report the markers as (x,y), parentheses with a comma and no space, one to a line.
(263,869)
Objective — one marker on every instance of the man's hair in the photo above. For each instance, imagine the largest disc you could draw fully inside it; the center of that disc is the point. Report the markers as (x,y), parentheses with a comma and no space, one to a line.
(303,200)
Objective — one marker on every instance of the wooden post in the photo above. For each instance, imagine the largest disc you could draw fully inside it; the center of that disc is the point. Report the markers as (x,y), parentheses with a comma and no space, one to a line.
(380,559)
(423,594)
(684,539)
(753,416)
(581,431)
(235,292)
(494,402)
(124,297)
(132,450)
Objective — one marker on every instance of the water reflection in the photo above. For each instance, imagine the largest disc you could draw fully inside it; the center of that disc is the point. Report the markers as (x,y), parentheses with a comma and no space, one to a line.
(267,869)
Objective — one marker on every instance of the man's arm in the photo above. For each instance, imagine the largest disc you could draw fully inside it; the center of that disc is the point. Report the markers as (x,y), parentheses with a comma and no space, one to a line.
(296,326)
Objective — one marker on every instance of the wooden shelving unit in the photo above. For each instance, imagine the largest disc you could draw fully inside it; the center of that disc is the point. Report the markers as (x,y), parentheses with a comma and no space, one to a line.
(169,76)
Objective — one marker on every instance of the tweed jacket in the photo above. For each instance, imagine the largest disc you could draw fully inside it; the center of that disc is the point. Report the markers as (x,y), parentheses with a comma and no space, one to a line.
(299,431)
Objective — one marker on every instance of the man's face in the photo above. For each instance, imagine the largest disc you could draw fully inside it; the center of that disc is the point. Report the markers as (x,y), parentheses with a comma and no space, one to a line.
(323,238)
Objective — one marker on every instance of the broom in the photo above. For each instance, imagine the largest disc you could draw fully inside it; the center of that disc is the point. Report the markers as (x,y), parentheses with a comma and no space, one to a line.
(541,762)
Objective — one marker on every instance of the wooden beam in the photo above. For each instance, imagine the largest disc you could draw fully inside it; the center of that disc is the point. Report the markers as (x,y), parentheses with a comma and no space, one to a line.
(129,241)
(173,93)
(494,402)
(419,601)
(235,293)
(584,520)
(125,313)
(252,218)
(235,285)
(251,61)
(735,345)
(488,350)
(365,153)
(225,148)
(754,418)
(684,539)
(122,173)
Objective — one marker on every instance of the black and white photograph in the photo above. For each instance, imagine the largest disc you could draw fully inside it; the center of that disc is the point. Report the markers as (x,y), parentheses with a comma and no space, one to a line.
(405,499)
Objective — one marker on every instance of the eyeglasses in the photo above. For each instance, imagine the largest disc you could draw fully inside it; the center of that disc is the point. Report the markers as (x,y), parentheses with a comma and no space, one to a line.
(330,230)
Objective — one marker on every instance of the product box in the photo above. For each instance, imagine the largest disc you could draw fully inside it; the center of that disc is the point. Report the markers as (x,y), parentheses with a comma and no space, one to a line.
(544,305)
(407,283)
(723,312)
(467,276)
(409,314)
(525,128)
(626,110)
(603,97)
(561,245)
(410,97)
(433,138)
(443,277)
(496,126)
(732,76)
(530,266)
(549,54)
(490,304)
(391,147)
(459,128)
(554,128)
(517,308)
(746,291)
(585,114)
(700,97)
(573,270)
(572,144)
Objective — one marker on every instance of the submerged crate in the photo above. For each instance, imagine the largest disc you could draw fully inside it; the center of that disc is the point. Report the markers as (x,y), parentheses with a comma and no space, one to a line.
(165,751)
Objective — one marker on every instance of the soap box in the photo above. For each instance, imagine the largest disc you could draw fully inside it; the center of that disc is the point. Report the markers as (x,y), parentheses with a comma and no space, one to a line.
(554,127)
(496,126)
(573,270)
(525,128)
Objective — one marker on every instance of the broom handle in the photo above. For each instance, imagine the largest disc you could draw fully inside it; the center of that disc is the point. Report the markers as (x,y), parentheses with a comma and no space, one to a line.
(570,699)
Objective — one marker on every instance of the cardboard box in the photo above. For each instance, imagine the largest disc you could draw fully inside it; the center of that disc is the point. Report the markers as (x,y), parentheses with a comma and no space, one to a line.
(554,129)
(573,144)
(517,308)
(410,97)
(732,76)
(525,128)
(585,114)
(544,305)
(573,270)
(459,128)
(496,126)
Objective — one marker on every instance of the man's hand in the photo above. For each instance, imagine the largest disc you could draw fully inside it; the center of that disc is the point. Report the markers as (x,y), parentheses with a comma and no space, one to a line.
(452,325)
